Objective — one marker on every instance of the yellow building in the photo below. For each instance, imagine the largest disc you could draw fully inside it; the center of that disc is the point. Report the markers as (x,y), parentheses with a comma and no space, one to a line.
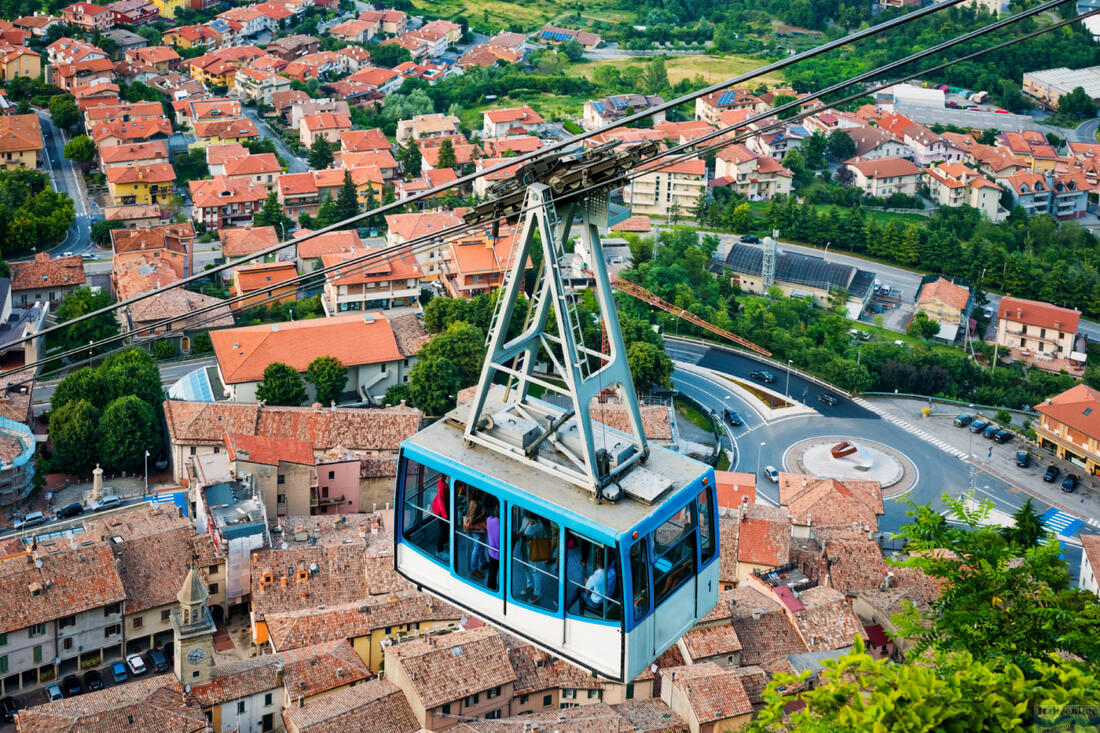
(16,61)
(1070,427)
(141,184)
(168,8)
(20,141)
(223,132)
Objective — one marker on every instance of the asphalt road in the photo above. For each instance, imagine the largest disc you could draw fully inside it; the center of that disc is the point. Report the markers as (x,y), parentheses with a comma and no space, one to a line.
(65,178)
(760,443)
(293,162)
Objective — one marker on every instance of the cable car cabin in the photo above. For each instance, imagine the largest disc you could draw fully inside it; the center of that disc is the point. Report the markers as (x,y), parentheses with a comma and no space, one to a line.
(607,586)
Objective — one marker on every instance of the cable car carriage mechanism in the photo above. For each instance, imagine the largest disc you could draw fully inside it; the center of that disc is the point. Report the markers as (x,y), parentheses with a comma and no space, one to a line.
(532,514)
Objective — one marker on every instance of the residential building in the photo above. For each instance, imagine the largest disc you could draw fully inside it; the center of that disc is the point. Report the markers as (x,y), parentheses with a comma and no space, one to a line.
(370,283)
(137,215)
(220,132)
(1033,327)
(554,35)
(282,471)
(511,121)
(669,190)
(38,24)
(1063,195)
(488,54)
(393,22)
(451,677)
(157,702)
(20,141)
(247,241)
(141,184)
(17,61)
(265,282)
(711,106)
(259,86)
(757,177)
(1090,561)
(132,154)
(709,698)
(1069,427)
(1032,146)
(171,243)
(355,31)
(477,263)
(378,351)
(599,112)
(954,184)
(168,8)
(428,127)
(88,16)
(326,125)
(815,501)
(378,701)
(45,279)
(874,142)
(298,194)
(134,12)
(883,177)
(306,107)
(262,170)
(222,201)
(310,252)
(293,46)
(429,228)
(945,303)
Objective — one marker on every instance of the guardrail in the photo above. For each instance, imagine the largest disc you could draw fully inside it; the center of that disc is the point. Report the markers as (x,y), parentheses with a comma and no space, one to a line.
(760,358)
(714,423)
(949,401)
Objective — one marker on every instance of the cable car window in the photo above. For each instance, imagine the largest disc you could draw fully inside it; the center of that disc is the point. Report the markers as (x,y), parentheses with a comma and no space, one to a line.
(535,562)
(706,526)
(673,553)
(592,586)
(477,536)
(639,574)
(425,519)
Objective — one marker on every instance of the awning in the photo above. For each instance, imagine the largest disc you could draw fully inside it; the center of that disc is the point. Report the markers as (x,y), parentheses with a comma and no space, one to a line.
(1078,356)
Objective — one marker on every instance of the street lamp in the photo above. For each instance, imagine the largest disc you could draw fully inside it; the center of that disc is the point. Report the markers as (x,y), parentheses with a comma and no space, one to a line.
(146,474)
(789,378)
(760,457)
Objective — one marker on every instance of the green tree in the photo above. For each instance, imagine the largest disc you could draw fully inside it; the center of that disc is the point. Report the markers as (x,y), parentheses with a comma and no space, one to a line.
(281,385)
(129,427)
(572,50)
(1027,527)
(388,55)
(133,372)
(271,215)
(81,302)
(655,79)
(946,692)
(347,202)
(410,158)
(649,366)
(446,155)
(841,146)
(1077,105)
(83,384)
(434,383)
(1000,601)
(442,312)
(462,344)
(74,430)
(63,111)
(327,212)
(320,153)
(191,166)
(101,231)
(81,149)
(922,326)
(329,376)
(782,99)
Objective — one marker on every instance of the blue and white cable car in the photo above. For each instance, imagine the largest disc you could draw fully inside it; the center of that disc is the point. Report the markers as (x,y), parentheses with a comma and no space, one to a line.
(542,520)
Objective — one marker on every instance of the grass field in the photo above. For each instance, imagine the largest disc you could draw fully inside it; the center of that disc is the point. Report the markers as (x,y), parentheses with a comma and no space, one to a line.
(711,68)
(758,208)
(493,15)
(550,106)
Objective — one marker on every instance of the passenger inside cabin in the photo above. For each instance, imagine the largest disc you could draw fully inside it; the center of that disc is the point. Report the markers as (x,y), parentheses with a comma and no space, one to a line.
(492,532)
(439,509)
(535,559)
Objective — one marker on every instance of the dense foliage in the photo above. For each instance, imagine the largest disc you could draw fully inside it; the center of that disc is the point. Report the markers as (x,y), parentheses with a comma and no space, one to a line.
(32,214)
(281,385)
(78,303)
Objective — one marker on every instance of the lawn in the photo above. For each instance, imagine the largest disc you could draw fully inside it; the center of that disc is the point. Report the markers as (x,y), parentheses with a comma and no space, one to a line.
(887,335)
(493,15)
(692,415)
(550,106)
(712,68)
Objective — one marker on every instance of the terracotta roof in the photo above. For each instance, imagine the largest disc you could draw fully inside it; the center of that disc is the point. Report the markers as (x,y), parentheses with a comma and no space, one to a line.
(261,276)
(496,147)
(394,268)
(464,152)
(268,451)
(733,487)
(329,243)
(222,191)
(69,581)
(296,184)
(131,211)
(854,561)
(375,610)
(656,421)
(1078,407)
(19,133)
(326,121)
(251,165)
(414,226)
(155,703)
(360,140)
(703,642)
(688,167)
(452,666)
(244,241)
(827,502)
(537,671)
(638,223)
(126,152)
(206,423)
(46,271)
(727,544)
(826,621)
(755,681)
(140,274)
(713,693)
(153,55)
(884,167)
(243,127)
(219,154)
(179,303)
(1090,544)
(132,110)
(764,536)
(944,291)
(152,173)
(143,129)
(869,138)
(367,158)
(771,635)
(375,706)
(1037,313)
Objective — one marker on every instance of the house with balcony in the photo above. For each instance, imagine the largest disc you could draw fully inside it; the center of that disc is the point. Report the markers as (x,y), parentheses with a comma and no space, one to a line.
(298,194)
(667,189)
(20,141)
(221,201)
(884,177)
(477,263)
(1069,427)
(88,16)
(511,121)
(141,184)
(1042,334)
(954,184)
(324,124)
(755,176)
(259,85)
(262,283)
(369,284)
(1062,195)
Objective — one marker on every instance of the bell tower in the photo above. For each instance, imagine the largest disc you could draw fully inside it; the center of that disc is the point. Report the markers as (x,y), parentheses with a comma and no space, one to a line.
(193,631)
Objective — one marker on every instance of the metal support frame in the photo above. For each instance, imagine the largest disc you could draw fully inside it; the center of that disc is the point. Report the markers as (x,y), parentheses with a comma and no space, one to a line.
(584,377)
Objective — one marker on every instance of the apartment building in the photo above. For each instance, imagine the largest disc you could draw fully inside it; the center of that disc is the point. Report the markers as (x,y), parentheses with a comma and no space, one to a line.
(669,190)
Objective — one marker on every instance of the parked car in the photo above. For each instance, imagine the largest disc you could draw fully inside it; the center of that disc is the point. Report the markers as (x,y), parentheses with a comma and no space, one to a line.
(93,680)
(1069,483)
(118,672)
(990,430)
(32,519)
(978,426)
(733,418)
(66,254)
(136,664)
(762,375)
(72,510)
(53,692)
(72,686)
(107,502)
(988,312)
(828,398)
(750,239)
(961,421)
(1002,436)
(1051,473)
(772,474)
(8,708)
(157,660)
(1023,458)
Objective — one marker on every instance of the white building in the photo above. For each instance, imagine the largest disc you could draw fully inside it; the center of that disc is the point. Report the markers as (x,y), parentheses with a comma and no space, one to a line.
(668,190)
(1090,559)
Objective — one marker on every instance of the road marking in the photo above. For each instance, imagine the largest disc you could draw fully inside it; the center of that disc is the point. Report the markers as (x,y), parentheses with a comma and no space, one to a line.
(910,428)
(1061,523)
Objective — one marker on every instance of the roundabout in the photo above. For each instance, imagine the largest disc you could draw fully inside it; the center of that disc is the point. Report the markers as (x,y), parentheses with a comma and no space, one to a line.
(853,460)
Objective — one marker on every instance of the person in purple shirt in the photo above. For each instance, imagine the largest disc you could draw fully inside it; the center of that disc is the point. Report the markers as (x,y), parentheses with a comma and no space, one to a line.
(492,530)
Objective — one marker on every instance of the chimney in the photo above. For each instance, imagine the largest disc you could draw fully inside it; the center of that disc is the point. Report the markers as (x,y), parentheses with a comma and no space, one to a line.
(1057,325)
(1019,313)
(756,614)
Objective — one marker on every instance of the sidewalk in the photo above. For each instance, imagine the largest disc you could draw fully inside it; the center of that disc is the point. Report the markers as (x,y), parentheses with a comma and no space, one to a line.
(997,459)
(63,489)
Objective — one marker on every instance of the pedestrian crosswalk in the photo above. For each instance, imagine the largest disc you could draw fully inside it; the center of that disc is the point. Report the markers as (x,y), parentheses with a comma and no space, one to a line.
(1060,523)
(911,429)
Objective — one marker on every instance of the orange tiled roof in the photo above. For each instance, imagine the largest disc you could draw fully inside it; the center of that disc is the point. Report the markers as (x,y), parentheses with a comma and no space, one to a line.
(329,243)
(19,133)
(47,272)
(126,152)
(830,503)
(243,241)
(946,292)
(152,703)
(151,173)
(264,275)
(393,268)
(267,450)
(439,674)
(378,701)
(1038,313)
(764,535)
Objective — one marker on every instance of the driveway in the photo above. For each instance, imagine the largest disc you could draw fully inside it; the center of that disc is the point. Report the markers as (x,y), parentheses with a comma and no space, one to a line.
(293,162)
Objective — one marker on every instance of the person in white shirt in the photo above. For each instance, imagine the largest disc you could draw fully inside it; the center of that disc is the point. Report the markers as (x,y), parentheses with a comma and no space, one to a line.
(596,585)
